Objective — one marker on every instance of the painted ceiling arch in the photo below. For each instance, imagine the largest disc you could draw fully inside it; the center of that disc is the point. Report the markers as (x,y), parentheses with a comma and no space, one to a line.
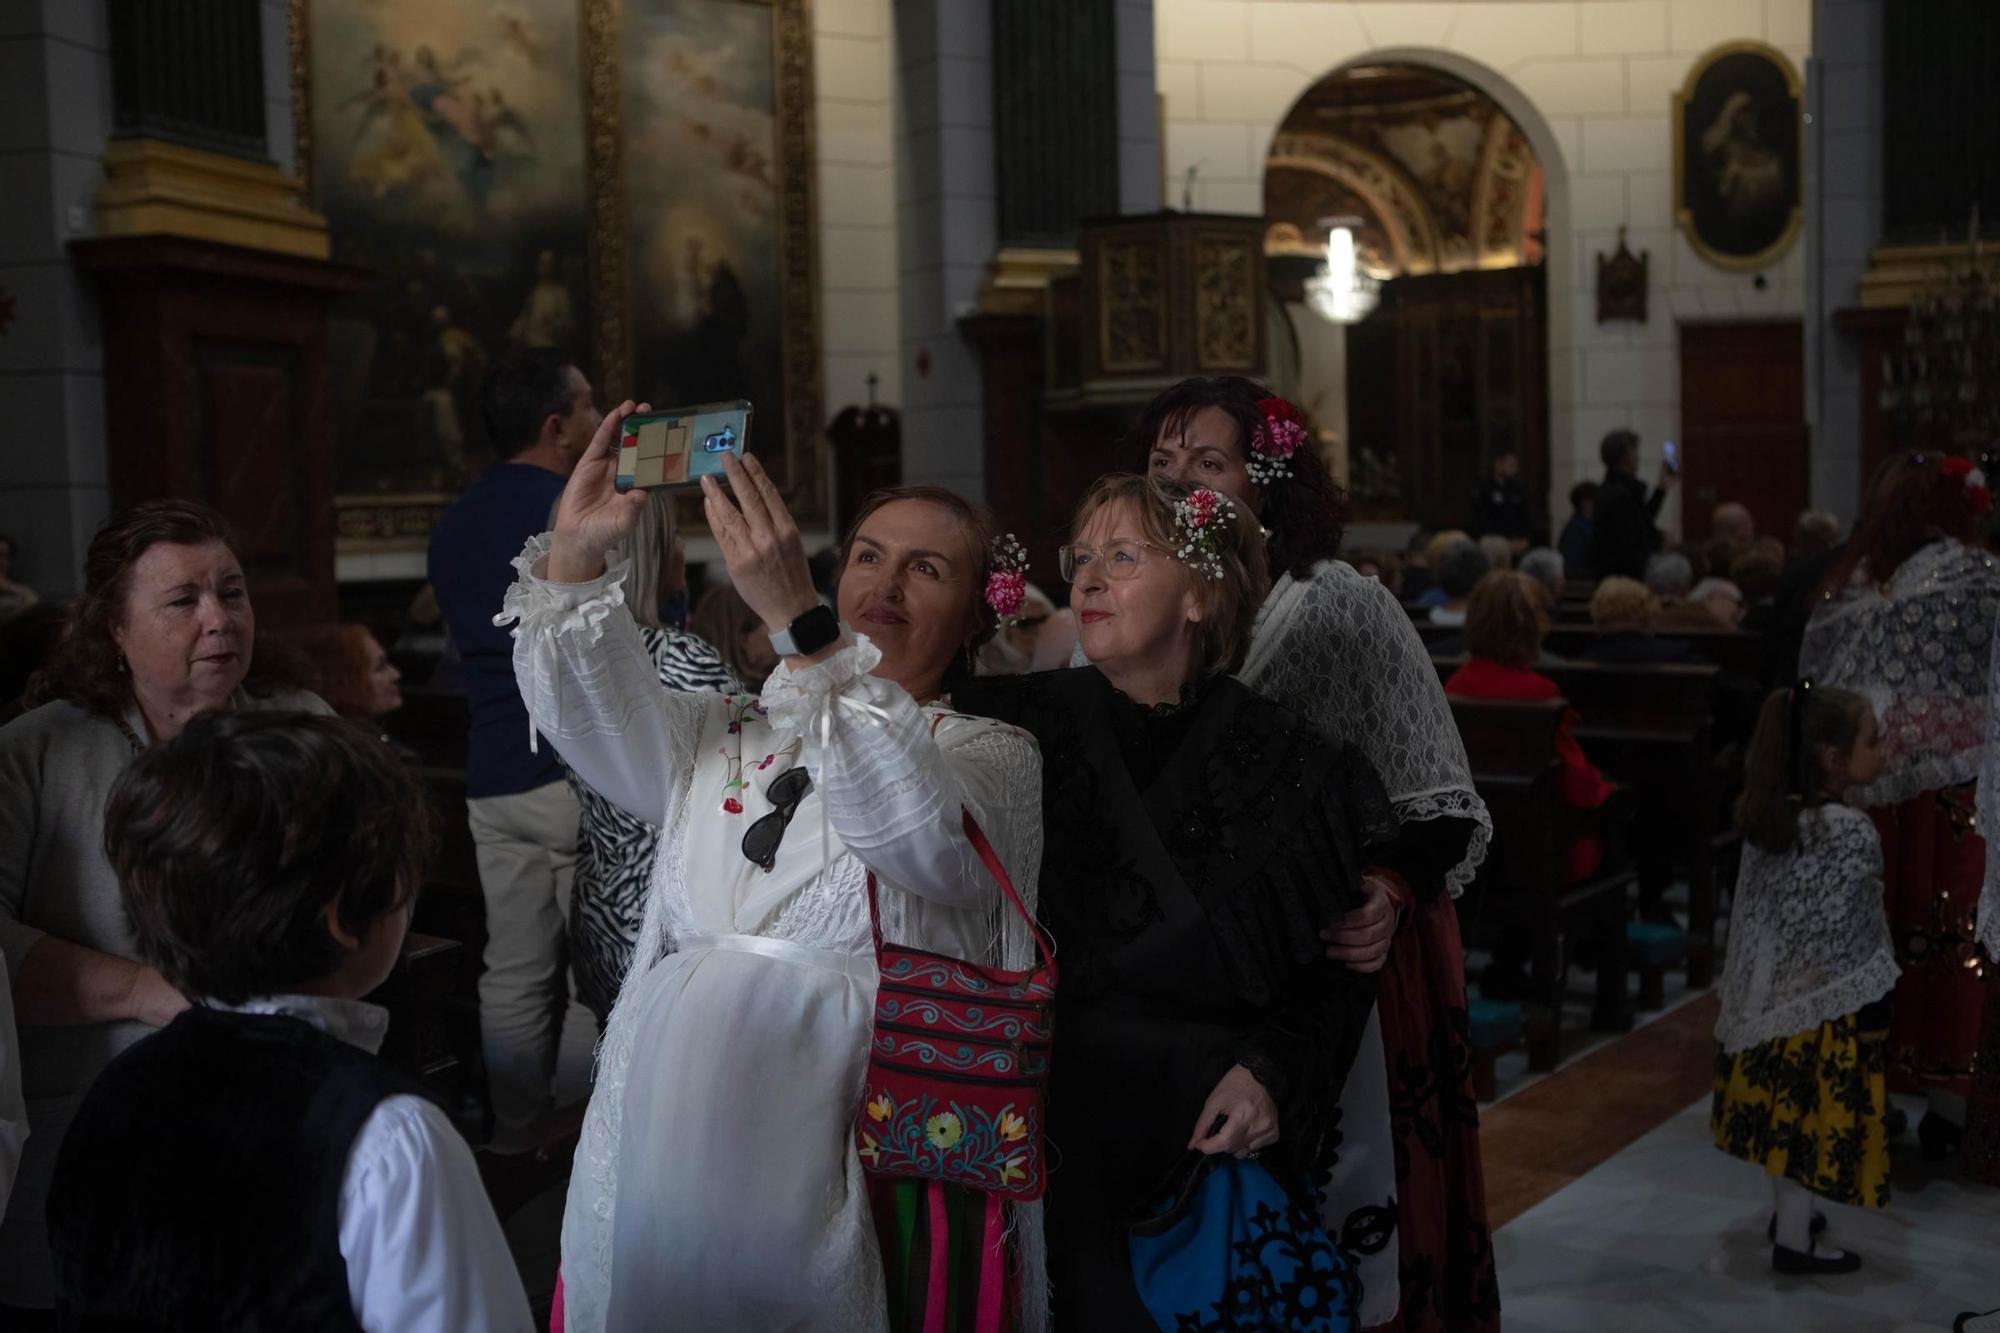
(1441,178)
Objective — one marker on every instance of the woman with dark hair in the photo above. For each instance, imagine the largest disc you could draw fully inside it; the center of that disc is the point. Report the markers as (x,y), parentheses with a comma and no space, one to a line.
(1340,651)
(717,1184)
(1197,838)
(162,633)
(1907,618)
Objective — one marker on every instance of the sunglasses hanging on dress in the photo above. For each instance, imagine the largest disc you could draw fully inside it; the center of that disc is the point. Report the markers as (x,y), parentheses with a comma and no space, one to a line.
(761,839)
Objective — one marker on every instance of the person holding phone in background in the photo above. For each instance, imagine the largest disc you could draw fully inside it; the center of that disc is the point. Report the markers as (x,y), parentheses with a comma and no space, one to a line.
(1627,514)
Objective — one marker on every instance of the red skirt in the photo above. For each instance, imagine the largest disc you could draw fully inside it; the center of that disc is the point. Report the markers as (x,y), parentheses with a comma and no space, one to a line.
(1444,1249)
(1933,863)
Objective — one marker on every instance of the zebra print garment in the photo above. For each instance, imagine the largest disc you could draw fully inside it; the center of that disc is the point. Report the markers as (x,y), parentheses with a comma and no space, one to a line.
(614,852)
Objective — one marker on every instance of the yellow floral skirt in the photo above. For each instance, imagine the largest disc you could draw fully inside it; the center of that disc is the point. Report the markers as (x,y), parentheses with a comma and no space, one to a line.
(1810,1108)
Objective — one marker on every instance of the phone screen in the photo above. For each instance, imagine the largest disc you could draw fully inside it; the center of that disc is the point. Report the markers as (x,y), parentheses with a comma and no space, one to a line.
(681,446)
(1673,455)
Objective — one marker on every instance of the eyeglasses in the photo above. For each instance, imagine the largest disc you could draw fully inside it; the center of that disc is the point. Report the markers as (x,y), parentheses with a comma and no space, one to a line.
(1121,559)
(761,839)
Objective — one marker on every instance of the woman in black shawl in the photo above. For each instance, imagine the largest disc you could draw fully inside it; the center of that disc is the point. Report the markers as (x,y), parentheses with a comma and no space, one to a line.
(1199,838)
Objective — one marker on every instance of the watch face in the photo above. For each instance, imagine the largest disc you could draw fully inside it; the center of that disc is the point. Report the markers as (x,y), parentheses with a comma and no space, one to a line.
(806,635)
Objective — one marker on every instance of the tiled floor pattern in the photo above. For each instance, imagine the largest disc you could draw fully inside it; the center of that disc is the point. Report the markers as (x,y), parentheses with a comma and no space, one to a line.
(1669,1235)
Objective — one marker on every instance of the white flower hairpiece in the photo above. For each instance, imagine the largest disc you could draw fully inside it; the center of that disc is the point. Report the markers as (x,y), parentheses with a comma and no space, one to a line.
(1197,516)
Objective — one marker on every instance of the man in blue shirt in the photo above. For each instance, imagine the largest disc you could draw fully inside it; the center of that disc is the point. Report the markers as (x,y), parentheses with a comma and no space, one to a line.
(540,416)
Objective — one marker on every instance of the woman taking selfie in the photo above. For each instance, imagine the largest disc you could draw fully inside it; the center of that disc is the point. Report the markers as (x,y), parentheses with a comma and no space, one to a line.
(717,1185)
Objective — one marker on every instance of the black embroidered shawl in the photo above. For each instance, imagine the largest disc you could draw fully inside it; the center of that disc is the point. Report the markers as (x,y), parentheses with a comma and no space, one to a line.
(1192,855)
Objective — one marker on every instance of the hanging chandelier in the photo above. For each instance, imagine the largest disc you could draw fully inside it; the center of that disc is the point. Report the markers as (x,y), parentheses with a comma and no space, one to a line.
(1338,291)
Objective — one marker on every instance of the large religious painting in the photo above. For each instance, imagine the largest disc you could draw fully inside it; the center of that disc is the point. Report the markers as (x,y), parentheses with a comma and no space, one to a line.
(1737,189)
(628,181)
(719,219)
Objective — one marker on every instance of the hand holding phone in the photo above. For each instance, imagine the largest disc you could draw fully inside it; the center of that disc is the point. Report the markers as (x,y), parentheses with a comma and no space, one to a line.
(678,447)
(1671,452)
(594,514)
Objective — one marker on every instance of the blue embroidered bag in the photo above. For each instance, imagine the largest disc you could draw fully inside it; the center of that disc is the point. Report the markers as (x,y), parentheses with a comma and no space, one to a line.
(1224,1249)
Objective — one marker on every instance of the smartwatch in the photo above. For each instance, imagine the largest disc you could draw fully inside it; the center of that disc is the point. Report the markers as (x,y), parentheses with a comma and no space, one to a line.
(807,634)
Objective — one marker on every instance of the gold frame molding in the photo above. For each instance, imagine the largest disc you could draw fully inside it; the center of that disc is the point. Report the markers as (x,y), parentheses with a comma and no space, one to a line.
(600,30)
(1684,216)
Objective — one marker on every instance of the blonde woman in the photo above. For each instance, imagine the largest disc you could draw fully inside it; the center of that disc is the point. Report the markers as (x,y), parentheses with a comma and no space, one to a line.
(1199,838)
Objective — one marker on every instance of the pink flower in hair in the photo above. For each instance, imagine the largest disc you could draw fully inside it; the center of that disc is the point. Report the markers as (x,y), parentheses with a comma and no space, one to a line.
(1007,585)
(1275,440)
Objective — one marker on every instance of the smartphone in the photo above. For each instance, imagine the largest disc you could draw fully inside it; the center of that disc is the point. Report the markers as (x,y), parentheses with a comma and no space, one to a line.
(680,446)
(1672,453)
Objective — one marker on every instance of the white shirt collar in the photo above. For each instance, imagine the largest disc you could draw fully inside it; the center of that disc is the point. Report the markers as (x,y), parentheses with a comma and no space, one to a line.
(355,1022)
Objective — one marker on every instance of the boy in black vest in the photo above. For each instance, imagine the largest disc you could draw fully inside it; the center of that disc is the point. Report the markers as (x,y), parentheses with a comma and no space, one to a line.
(252,1165)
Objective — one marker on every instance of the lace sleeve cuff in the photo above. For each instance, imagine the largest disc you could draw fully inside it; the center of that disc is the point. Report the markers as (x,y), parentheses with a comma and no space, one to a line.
(798,700)
(540,609)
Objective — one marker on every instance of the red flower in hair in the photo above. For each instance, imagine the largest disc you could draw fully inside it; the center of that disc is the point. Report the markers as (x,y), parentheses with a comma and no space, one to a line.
(1958,469)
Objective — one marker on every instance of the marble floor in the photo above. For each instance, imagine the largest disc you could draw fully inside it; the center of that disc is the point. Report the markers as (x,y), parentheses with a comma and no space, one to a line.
(1668,1234)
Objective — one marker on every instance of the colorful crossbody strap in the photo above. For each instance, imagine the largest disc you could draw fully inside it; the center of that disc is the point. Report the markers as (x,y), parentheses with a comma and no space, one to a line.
(977,837)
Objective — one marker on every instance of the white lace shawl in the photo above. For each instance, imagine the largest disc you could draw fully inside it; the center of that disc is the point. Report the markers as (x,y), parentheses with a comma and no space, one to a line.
(1340,651)
(1808,937)
(1920,651)
(1987,928)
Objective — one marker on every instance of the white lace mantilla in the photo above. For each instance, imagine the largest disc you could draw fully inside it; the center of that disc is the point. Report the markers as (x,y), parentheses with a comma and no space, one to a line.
(1340,651)
(1808,937)
(755,1031)
(1920,650)
(1987,925)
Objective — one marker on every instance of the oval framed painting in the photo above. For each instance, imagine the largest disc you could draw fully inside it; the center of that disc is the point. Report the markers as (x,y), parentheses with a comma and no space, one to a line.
(1737,133)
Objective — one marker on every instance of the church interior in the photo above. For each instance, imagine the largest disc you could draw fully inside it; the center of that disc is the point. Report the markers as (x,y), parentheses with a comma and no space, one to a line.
(1640,357)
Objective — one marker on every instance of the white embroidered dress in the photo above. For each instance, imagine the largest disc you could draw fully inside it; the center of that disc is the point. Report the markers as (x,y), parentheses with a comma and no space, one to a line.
(716,1186)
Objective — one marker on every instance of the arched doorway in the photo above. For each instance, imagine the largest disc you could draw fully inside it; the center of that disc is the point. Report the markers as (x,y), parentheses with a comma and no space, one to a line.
(1447,195)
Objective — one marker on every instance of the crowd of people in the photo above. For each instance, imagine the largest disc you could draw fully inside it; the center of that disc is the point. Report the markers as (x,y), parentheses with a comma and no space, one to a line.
(784,898)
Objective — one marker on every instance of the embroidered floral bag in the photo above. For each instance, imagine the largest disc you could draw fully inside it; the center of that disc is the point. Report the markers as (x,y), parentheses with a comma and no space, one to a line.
(958,1071)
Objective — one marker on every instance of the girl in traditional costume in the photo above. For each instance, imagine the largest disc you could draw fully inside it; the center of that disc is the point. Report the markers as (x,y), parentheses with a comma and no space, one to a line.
(717,1185)
(1339,650)
(1800,1084)
(1907,621)
(1199,838)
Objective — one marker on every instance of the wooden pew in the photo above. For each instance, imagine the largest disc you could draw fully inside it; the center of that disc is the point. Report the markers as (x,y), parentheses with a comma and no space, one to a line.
(452,909)
(434,723)
(1523,884)
(1737,652)
(417,995)
(1649,726)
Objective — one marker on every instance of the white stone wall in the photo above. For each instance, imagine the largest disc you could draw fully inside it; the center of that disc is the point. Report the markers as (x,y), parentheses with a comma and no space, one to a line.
(855,142)
(1590,81)
(55,111)
(1843,223)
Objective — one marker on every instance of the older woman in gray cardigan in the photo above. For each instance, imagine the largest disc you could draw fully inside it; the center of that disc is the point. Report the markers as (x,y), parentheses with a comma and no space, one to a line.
(161,633)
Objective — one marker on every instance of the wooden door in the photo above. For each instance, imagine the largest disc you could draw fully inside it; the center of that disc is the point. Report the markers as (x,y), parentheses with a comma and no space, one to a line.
(1450,371)
(1743,423)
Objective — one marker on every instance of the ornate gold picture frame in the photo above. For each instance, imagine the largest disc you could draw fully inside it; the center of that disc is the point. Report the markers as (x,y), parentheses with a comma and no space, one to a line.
(1738,129)
(479,158)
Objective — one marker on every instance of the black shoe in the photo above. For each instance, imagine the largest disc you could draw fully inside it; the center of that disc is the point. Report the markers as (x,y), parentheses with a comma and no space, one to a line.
(1938,1137)
(1963,1324)
(1818,1225)
(1791,1261)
